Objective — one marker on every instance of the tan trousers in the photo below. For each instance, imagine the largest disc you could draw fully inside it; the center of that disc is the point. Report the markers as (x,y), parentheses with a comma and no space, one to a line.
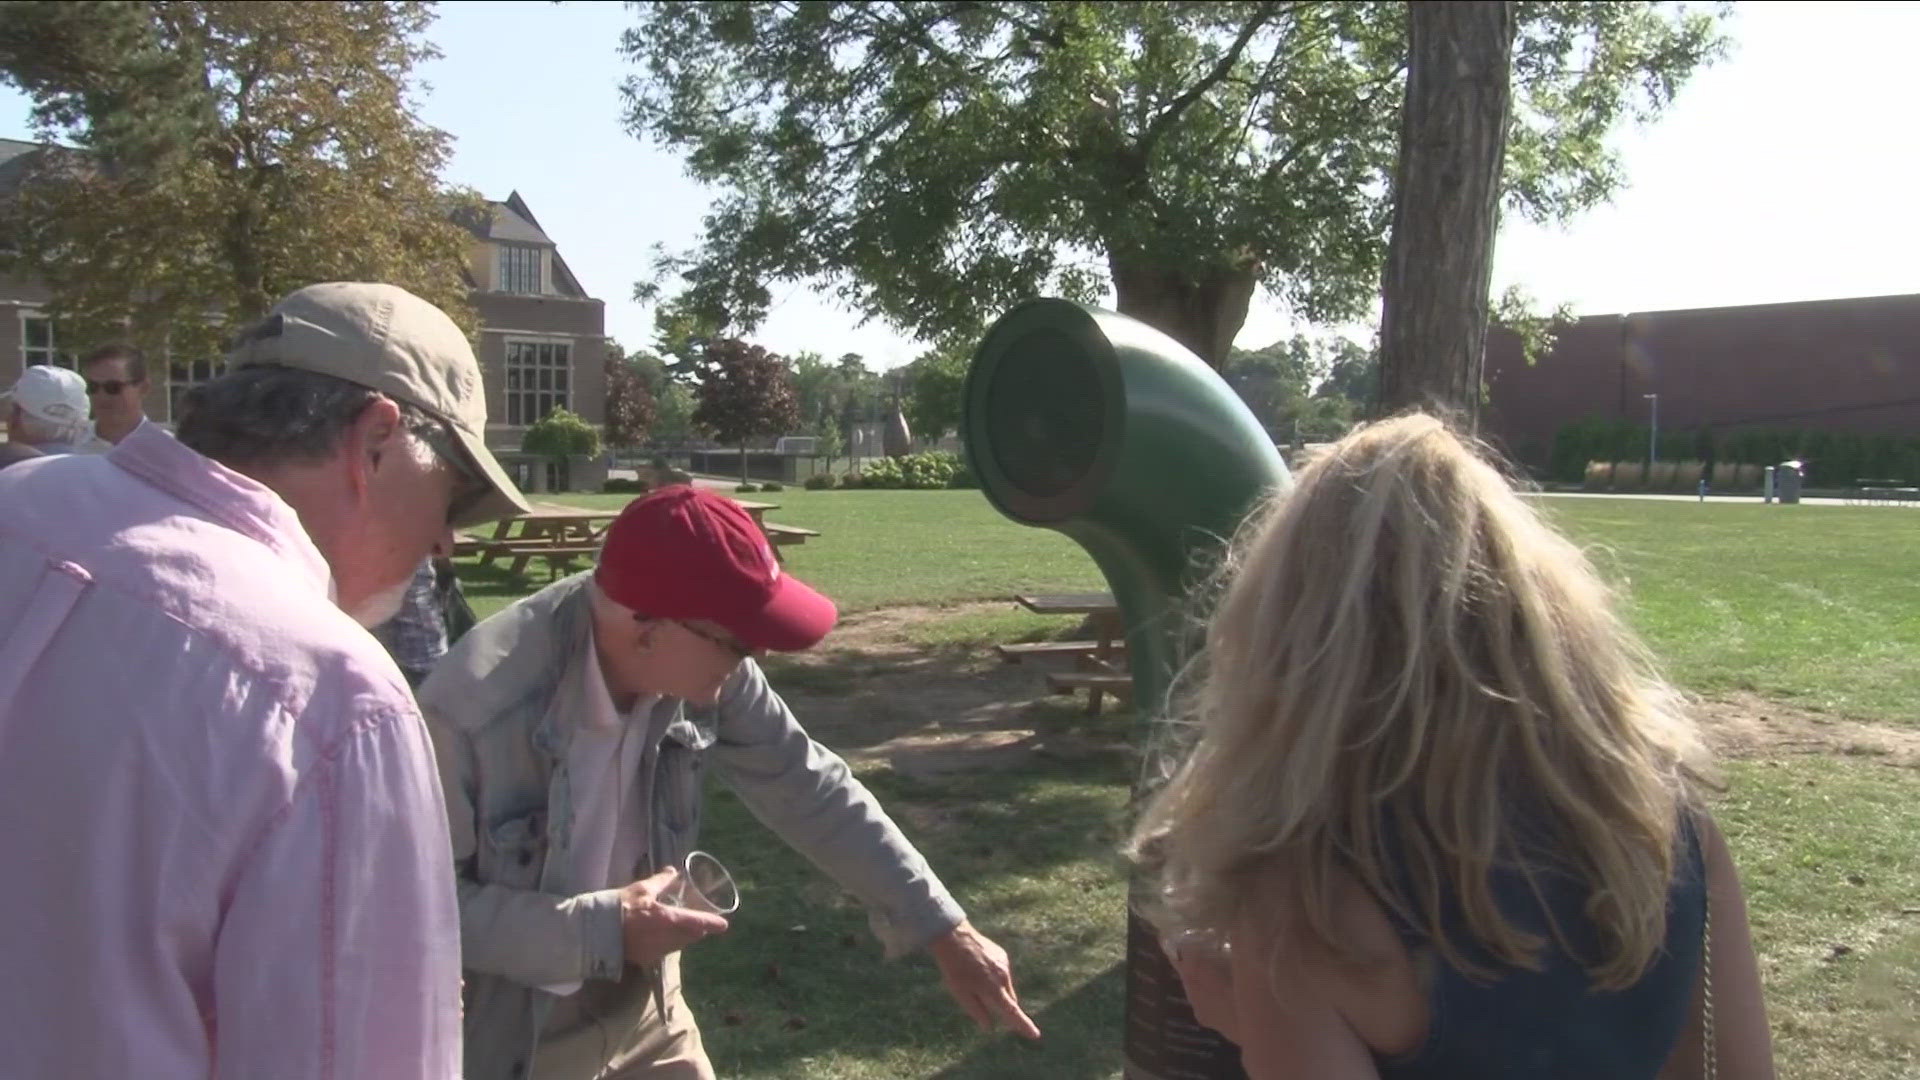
(618,1033)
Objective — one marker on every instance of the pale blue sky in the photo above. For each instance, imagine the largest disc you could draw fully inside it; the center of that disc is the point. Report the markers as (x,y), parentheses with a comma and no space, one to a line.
(1789,171)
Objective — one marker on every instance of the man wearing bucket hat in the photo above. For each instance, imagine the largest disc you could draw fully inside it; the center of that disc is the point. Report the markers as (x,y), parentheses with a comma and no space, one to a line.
(573,730)
(228,848)
(47,410)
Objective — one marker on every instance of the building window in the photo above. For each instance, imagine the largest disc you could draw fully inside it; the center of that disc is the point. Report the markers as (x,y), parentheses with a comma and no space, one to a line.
(538,379)
(183,376)
(519,269)
(36,342)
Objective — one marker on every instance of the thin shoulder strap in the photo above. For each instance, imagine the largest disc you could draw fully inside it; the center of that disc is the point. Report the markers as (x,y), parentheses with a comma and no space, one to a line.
(1709,1047)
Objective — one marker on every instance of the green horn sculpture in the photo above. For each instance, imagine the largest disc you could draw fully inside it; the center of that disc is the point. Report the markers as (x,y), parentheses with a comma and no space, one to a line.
(1103,428)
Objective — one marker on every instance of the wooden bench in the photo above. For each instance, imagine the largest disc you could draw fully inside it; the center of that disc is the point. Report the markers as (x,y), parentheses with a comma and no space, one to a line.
(782,535)
(1103,621)
(1014,652)
(788,534)
(1871,490)
(555,554)
(1098,682)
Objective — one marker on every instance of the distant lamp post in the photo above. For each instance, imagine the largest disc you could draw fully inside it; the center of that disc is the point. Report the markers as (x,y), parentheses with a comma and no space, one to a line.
(1653,432)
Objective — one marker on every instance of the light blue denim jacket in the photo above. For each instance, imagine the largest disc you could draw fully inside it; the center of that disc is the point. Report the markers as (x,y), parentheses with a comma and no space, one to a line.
(502,706)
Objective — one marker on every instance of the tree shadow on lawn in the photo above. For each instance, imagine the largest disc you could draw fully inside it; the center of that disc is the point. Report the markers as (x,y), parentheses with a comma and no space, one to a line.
(925,709)
(1080,1039)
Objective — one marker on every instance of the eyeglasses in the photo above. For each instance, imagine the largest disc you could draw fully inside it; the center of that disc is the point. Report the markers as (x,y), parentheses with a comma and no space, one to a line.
(109,386)
(728,643)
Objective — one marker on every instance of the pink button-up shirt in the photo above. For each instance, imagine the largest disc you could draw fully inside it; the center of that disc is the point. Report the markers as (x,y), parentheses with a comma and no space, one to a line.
(223,850)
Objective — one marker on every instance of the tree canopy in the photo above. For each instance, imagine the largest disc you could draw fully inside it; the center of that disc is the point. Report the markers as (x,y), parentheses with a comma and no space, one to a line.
(936,388)
(223,154)
(744,392)
(630,401)
(935,162)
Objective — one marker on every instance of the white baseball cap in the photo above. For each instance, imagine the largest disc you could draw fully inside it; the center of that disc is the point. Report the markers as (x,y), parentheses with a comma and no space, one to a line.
(53,394)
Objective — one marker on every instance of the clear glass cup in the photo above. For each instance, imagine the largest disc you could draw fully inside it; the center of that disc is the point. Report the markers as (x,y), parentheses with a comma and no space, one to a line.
(704,885)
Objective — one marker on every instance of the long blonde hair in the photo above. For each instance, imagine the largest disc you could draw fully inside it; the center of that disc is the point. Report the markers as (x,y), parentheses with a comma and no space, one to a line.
(1407,660)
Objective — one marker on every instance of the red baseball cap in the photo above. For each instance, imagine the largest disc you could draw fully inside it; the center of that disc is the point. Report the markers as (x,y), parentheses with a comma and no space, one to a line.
(684,553)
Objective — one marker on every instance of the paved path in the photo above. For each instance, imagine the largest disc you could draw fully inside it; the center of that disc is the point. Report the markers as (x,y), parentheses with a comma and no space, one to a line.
(1747,499)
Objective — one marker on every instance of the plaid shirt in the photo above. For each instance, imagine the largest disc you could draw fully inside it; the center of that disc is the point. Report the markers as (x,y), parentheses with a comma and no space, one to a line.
(417,636)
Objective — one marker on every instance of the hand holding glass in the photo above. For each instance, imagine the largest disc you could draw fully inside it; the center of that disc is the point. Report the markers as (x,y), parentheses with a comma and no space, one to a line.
(704,885)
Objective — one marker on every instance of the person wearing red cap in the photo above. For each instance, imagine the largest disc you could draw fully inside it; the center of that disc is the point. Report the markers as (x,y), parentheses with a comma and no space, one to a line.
(573,729)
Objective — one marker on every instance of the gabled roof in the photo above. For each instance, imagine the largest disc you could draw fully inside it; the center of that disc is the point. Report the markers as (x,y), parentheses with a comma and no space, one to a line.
(514,223)
(15,155)
(563,280)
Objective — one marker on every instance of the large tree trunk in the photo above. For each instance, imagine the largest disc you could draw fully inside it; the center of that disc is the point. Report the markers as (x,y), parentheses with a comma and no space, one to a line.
(1203,314)
(1453,140)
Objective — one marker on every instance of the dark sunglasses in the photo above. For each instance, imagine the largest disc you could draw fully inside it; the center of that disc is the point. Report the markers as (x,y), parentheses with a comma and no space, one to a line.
(111,386)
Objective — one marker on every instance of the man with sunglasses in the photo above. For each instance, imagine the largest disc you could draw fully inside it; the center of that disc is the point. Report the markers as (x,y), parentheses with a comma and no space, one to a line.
(228,848)
(573,731)
(116,378)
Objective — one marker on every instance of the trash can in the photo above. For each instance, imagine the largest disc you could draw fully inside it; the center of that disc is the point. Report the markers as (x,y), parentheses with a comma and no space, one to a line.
(1787,480)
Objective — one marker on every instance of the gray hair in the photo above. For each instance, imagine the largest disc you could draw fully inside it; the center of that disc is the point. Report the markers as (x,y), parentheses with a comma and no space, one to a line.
(266,416)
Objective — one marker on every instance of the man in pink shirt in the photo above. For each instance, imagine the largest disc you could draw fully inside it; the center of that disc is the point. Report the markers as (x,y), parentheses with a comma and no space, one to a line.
(225,845)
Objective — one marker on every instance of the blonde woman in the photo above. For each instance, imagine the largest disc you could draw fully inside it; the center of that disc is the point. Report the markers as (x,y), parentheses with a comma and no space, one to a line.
(1442,817)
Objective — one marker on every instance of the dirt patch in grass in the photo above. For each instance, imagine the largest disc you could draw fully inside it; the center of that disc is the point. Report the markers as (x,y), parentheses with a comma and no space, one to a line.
(875,691)
(1746,726)
(883,688)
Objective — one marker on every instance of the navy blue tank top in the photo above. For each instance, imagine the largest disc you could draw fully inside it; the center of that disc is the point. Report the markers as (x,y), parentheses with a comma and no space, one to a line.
(1551,1024)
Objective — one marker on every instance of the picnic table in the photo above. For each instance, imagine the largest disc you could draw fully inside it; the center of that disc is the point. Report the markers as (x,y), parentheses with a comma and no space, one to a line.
(778,535)
(1099,661)
(554,532)
(560,534)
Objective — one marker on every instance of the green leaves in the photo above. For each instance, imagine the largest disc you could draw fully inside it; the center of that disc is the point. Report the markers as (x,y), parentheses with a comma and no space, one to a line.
(934,163)
(744,392)
(230,152)
(559,434)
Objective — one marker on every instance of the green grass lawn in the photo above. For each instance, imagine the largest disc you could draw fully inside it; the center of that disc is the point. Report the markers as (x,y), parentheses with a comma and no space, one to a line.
(797,987)
(1814,606)
(881,548)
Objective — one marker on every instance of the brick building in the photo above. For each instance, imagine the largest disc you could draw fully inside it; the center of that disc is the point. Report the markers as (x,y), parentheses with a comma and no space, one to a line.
(1848,365)
(542,341)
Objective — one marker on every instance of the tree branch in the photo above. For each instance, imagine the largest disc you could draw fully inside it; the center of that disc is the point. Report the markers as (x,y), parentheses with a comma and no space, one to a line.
(1168,116)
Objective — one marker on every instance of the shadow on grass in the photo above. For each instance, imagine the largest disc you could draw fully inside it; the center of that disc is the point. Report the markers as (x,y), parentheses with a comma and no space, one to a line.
(1080,1039)
(876,697)
(490,588)
(797,988)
